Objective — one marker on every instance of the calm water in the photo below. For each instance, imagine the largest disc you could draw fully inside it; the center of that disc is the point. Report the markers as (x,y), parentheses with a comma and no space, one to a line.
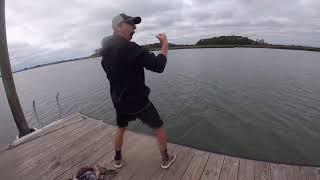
(257,103)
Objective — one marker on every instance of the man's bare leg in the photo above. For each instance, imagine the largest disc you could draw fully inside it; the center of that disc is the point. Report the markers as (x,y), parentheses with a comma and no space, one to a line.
(162,139)
(118,139)
(167,159)
(118,142)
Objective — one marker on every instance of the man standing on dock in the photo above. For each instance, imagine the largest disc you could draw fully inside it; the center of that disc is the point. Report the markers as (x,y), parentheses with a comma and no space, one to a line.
(124,63)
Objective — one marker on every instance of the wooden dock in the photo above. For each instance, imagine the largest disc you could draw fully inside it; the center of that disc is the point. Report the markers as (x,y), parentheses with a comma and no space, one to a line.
(58,150)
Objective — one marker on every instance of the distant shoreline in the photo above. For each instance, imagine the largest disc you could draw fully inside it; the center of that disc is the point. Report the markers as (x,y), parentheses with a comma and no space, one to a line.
(48,64)
(286,47)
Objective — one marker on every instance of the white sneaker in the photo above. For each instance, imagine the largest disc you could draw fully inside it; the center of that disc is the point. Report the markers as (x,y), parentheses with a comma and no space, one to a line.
(117,163)
(167,164)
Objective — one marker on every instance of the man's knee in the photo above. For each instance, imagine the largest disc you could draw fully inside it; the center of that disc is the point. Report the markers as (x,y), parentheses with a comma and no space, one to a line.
(121,130)
(160,131)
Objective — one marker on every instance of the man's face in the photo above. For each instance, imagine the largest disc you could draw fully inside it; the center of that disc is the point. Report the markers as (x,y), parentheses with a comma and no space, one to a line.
(127,29)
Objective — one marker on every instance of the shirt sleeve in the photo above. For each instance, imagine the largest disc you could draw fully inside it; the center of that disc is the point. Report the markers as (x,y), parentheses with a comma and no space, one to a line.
(150,61)
(103,51)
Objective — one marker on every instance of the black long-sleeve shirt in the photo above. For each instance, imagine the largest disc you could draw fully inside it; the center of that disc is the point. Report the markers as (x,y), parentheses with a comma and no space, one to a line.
(124,64)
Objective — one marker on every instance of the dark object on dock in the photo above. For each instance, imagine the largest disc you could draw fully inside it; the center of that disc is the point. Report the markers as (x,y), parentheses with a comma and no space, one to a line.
(93,173)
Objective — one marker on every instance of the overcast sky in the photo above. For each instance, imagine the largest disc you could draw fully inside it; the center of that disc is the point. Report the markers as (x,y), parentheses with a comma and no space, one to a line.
(41,31)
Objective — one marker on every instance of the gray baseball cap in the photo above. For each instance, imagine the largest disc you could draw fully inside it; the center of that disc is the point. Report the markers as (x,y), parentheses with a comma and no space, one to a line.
(120,18)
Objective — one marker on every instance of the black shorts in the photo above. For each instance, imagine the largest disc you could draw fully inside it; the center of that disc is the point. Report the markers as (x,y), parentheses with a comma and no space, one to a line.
(149,116)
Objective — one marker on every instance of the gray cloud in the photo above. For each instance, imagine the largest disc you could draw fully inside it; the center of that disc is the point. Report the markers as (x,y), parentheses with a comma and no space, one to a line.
(44,31)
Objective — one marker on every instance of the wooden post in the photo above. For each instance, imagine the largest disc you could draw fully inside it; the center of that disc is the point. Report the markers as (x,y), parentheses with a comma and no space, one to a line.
(7,77)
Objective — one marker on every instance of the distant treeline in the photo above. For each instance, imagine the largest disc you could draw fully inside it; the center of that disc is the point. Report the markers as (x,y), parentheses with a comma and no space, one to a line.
(148,46)
(231,40)
(158,45)
(223,42)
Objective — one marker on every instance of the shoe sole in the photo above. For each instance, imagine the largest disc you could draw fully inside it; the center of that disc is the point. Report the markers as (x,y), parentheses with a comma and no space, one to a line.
(167,166)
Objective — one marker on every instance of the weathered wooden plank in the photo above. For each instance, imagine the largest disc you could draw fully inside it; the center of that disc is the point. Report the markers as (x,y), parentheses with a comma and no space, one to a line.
(76,155)
(95,156)
(308,173)
(262,170)
(182,162)
(58,130)
(55,159)
(278,172)
(138,167)
(42,159)
(213,167)
(143,170)
(21,164)
(77,133)
(136,156)
(230,168)
(317,171)
(48,141)
(47,129)
(246,170)
(61,152)
(100,155)
(152,165)
(12,162)
(147,161)
(31,144)
(196,166)
(106,161)
(159,173)
(293,172)
(131,142)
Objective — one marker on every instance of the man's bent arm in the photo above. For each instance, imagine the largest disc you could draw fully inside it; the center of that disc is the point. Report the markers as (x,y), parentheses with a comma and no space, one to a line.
(152,62)
(164,49)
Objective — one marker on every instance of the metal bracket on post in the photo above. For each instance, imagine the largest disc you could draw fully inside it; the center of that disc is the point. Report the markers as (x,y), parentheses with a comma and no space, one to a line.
(59,107)
(36,114)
